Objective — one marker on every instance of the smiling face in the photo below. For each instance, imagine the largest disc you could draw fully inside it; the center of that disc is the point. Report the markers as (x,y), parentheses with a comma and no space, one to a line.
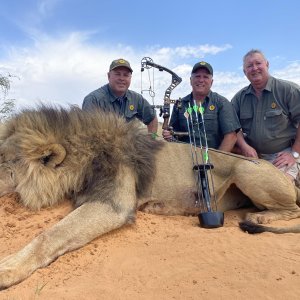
(119,80)
(256,69)
(201,82)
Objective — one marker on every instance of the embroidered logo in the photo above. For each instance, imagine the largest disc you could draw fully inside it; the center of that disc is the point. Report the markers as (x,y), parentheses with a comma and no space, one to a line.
(131,107)
(121,61)
(273,105)
(212,107)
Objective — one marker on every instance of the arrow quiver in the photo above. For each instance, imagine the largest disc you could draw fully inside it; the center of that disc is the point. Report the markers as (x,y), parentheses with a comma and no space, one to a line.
(209,217)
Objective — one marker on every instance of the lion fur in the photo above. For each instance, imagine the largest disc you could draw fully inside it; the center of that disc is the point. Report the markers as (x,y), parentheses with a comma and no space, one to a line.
(110,168)
(96,145)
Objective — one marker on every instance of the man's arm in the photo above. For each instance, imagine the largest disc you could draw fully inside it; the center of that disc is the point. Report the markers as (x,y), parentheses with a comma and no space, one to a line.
(228,142)
(243,148)
(153,125)
(285,158)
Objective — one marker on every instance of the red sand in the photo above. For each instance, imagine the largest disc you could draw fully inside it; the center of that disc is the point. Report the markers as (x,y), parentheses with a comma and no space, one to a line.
(159,257)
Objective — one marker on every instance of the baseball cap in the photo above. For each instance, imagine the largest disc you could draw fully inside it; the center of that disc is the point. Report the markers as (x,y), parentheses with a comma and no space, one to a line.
(120,63)
(203,64)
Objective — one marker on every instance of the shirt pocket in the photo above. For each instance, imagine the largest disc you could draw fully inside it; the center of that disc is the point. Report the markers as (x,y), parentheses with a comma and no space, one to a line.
(276,120)
(211,123)
(246,119)
(130,113)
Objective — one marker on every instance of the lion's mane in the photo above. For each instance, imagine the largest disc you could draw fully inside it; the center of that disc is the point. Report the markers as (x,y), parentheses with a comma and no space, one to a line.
(72,153)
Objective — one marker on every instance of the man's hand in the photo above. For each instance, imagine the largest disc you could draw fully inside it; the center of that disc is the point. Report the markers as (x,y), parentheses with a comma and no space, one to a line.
(284,159)
(167,135)
(248,151)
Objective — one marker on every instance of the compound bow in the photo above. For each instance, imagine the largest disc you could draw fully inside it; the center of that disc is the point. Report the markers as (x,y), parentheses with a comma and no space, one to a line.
(147,63)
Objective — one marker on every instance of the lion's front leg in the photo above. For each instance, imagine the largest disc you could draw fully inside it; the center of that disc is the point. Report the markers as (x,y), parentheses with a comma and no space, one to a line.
(77,229)
(81,226)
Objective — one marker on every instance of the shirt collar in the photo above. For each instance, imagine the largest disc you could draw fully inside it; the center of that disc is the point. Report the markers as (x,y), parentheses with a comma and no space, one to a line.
(268,87)
(190,98)
(113,97)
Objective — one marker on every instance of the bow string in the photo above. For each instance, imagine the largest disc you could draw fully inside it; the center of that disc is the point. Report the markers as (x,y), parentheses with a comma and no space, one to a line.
(147,63)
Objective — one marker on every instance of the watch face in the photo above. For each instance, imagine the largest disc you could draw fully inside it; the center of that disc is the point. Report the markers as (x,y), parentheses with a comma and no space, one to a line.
(295,154)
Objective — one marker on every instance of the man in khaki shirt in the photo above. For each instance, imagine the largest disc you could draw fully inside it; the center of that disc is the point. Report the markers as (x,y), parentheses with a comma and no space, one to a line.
(269,112)
(116,97)
(220,120)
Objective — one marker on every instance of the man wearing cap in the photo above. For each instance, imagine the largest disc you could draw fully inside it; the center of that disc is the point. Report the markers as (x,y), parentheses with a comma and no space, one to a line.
(220,120)
(269,112)
(116,97)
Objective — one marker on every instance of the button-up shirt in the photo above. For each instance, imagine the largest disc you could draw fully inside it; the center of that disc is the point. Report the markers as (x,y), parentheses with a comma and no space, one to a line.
(270,123)
(131,105)
(219,118)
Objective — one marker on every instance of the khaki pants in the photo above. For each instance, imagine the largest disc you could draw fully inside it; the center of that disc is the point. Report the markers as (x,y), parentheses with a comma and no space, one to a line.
(293,171)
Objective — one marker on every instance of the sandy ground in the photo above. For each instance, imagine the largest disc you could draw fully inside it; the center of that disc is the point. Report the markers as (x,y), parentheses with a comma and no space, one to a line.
(158,257)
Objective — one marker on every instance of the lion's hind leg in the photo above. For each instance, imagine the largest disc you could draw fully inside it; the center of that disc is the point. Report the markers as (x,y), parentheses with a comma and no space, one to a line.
(269,190)
(268,216)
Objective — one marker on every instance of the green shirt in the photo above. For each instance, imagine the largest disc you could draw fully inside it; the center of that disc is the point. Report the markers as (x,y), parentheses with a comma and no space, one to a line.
(219,119)
(131,105)
(269,124)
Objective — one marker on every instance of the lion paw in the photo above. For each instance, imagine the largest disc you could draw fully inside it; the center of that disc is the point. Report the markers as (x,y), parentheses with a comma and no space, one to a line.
(11,271)
(258,218)
(154,208)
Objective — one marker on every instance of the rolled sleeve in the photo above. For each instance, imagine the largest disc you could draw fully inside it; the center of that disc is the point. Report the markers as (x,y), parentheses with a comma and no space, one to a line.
(228,119)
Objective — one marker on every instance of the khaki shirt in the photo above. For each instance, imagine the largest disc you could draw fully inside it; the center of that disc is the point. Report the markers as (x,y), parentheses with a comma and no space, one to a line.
(219,119)
(270,123)
(131,105)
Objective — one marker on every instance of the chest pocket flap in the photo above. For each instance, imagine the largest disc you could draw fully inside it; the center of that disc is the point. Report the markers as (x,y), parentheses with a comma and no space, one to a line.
(274,113)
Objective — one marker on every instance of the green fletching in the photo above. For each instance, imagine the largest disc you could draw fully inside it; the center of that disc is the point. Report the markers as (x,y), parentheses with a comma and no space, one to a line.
(201,110)
(205,156)
(195,107)
(189,110)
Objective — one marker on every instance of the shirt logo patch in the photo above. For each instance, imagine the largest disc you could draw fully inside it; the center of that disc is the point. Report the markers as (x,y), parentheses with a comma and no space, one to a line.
(131,107)
(212,107)
(273,105)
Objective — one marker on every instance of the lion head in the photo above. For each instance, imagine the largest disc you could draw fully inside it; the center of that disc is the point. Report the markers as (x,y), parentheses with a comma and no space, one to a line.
(49,154)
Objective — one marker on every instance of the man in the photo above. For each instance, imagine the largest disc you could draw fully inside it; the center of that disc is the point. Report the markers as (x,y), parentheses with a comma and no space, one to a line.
(220,120)
(269,112)
(116,97)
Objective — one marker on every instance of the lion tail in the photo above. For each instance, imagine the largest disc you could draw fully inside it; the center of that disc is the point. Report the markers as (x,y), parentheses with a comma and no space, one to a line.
(252,228)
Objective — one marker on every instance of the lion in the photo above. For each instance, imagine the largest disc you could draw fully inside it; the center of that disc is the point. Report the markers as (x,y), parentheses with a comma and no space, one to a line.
(110,168)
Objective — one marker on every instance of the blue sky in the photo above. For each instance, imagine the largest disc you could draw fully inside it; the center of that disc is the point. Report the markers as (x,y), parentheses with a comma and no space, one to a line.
(60,50)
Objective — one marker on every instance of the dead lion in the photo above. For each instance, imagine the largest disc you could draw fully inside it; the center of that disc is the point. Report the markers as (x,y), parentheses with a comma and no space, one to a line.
(109,168)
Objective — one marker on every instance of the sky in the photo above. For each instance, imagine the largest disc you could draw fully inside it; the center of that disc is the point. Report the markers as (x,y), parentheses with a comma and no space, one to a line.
(58,51)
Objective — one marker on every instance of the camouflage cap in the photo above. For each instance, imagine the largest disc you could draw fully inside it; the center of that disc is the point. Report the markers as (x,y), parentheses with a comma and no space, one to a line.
(120,63)
(203,64)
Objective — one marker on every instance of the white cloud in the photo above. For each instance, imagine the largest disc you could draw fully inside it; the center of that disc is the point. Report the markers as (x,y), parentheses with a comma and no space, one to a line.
(171,56)
(63,70)
(46,6)
(291,72)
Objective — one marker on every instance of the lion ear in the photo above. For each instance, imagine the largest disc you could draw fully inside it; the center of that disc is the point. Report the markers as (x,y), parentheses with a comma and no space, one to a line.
(52,155)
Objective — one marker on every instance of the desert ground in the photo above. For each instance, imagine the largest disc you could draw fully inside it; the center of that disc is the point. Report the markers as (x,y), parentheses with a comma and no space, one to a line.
(158,257)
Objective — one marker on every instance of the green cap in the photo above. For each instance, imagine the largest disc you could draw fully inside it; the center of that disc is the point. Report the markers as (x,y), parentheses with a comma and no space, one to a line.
(204,65)
(120,63)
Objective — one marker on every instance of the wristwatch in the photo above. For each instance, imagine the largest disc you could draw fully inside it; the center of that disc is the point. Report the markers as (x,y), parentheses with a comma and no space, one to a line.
(295,154)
